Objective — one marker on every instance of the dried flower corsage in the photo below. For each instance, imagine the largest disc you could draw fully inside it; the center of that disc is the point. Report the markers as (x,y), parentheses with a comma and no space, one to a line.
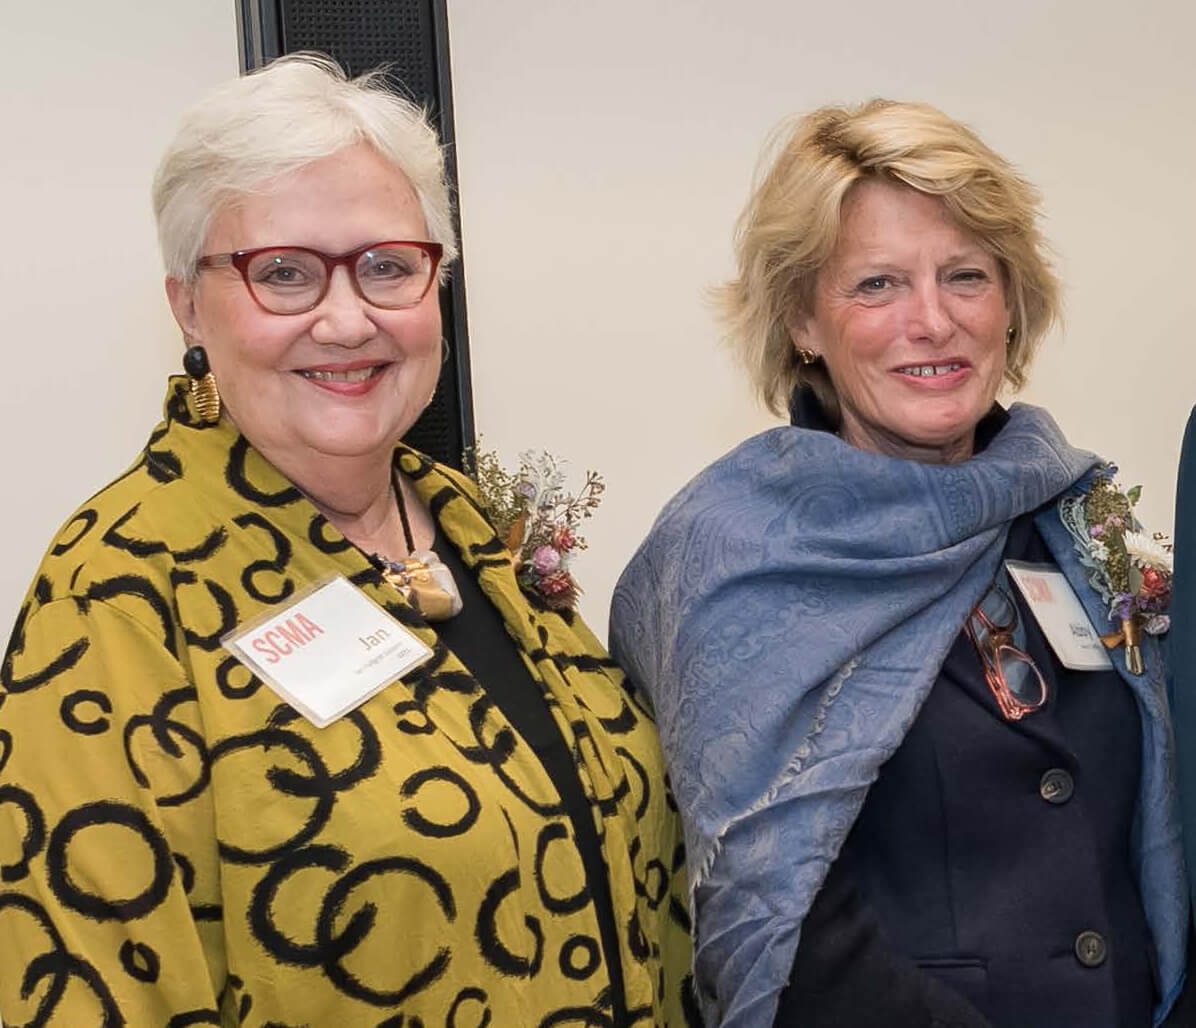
(1130,570)
(537,518)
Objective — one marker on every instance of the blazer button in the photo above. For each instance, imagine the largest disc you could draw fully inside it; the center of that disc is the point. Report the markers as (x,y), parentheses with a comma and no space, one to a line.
(1056,786)
(1091,949)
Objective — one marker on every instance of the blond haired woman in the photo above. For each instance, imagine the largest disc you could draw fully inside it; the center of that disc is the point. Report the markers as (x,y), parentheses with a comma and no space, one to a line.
(908,802)
(282,740)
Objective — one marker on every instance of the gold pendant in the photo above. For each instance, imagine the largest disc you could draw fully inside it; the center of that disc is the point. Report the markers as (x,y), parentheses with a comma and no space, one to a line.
(427,584)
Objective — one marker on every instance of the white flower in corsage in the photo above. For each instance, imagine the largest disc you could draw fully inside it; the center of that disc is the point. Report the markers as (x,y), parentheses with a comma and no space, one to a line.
(1148,551)
(537,518)
(1130,569)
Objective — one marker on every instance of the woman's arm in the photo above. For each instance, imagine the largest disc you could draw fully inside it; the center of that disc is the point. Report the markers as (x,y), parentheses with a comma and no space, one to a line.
(847,973)
(109,891)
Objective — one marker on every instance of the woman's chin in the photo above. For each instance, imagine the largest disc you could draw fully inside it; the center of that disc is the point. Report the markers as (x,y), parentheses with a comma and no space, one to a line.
(352,439)
(941,424)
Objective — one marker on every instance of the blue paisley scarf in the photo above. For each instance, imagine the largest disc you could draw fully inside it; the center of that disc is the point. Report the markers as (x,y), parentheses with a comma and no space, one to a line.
(788,614)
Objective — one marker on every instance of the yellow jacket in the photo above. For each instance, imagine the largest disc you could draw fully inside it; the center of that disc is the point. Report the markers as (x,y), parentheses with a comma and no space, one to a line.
(178,847)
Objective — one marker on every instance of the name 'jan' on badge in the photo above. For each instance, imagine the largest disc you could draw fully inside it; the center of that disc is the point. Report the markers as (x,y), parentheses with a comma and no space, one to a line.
(329,651)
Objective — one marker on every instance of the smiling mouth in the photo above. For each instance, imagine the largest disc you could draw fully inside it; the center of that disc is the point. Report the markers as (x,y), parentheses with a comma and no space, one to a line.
(929,370)
(353,375)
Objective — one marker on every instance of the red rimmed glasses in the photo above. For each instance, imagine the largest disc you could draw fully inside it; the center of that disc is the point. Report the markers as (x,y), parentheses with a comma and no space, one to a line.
(1010,671)
(295,279)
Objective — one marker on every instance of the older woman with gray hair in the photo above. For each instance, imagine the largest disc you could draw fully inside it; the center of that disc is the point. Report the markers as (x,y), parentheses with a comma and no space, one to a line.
(917,788)
(282,740)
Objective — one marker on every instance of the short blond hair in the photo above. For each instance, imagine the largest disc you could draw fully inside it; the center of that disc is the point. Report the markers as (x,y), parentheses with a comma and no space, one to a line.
(298,109)
(792,221)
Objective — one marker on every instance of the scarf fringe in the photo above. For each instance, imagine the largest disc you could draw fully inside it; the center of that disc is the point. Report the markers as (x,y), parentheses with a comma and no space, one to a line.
(787,774)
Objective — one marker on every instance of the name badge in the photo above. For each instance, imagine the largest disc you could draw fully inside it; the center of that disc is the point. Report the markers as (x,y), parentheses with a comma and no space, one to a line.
(329,651)
(1060,615)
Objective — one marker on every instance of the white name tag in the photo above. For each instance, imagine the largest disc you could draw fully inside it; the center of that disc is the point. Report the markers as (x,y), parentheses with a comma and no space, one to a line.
(1060,615)
(329,651)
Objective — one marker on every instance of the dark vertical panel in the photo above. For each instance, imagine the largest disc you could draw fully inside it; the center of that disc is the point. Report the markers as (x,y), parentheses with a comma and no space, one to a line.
(257,33)
(410,38)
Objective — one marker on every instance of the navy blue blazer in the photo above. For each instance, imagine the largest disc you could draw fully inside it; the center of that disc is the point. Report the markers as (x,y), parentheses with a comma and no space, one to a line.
(988,880)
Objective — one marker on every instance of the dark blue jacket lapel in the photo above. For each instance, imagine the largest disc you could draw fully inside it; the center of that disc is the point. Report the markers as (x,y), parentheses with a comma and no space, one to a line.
(1182,641)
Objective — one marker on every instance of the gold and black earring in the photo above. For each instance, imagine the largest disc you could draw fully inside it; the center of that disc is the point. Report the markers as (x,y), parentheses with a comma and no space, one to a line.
(203,384)
(1010,335)
(806,356)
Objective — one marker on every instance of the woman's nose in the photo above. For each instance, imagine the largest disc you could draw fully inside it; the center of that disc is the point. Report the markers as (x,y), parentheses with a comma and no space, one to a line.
(342,317)
(929,318)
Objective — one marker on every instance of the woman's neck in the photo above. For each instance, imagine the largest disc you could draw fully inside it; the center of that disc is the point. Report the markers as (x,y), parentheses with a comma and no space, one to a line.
(372,523)
(360,503)
(877,439)
(355,494)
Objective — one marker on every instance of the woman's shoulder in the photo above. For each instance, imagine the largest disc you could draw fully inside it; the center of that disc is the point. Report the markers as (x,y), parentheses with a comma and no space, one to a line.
(745,486)
(125,539)
(723,526)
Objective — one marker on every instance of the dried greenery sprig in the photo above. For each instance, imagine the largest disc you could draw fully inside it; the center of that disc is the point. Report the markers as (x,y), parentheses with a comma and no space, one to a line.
(1130,569)
(537,518)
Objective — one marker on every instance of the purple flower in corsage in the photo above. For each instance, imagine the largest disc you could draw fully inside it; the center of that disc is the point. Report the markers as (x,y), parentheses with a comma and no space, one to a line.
(537,519)
(546,559)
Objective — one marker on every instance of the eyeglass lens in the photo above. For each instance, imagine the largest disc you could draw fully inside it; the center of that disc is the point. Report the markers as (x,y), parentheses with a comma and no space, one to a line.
(995,632)
(289,281)
(1021,676)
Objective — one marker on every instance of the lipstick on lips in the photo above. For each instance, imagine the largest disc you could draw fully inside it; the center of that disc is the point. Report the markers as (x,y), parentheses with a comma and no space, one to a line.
(350,378)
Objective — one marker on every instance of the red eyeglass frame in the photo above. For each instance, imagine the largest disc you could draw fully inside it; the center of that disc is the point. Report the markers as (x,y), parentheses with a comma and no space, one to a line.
(240,260)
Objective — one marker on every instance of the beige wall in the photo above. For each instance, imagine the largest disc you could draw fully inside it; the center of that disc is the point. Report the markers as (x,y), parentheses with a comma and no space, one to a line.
(605,152)
(91,92)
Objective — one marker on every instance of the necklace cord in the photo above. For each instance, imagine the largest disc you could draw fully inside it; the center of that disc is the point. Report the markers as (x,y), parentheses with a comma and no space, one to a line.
(401,504)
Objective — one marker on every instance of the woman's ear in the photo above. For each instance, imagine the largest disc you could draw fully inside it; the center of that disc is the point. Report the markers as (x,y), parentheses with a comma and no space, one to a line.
(181,296)
(803,336)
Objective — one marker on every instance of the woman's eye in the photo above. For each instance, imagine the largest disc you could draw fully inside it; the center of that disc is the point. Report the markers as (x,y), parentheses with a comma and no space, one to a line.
(388,269)
(875,284)
(969,276)
(283,275)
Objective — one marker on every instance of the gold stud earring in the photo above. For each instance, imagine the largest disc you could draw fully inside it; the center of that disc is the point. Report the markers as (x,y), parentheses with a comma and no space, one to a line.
(203,384)
(806,356)
(1010,335)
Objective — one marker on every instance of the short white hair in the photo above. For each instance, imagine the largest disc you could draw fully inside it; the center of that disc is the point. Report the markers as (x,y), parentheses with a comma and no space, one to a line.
(252,130)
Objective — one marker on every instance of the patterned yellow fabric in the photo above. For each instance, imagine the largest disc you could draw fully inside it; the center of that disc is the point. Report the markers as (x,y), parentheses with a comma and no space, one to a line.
(178,847)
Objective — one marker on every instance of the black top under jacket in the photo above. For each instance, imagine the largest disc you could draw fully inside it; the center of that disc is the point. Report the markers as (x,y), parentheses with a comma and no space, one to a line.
(477,636)
(988,880)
